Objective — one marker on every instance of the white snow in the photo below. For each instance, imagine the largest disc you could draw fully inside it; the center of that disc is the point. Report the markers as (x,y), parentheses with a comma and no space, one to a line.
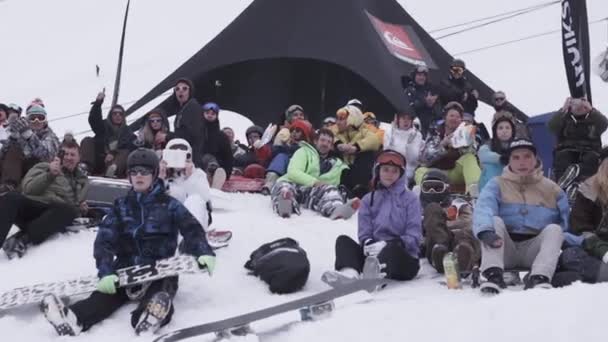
(50,49)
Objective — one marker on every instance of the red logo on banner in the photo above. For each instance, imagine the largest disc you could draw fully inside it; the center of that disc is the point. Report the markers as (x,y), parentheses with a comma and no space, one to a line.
(397,41)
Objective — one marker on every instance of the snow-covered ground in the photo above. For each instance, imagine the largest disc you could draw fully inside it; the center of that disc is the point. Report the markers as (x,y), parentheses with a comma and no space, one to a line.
(420,310)
(50,49)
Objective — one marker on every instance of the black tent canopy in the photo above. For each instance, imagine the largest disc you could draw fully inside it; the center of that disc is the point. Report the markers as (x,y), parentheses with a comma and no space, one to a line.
(315,53)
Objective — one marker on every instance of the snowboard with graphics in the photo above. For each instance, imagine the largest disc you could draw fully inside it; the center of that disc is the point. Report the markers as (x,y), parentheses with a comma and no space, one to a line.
(129,276)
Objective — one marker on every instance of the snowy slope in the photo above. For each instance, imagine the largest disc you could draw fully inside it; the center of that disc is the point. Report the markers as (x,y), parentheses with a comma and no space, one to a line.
(50,49)
(419,310)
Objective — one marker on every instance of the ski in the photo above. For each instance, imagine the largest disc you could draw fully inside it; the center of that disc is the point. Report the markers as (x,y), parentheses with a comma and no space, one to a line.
(309,306)
(128,276)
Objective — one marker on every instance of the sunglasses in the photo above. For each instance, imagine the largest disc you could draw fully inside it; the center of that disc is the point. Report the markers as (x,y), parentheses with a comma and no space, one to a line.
(142,170)
(155,120)
(499,99)
(39,118)
(433,186)
(183,88)
(390,158)
(457,70)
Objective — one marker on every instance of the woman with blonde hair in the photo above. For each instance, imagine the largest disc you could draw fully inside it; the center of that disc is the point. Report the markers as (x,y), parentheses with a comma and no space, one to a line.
(155,132)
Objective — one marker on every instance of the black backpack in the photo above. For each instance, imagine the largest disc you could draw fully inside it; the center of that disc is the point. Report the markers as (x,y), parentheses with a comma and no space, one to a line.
(282,264)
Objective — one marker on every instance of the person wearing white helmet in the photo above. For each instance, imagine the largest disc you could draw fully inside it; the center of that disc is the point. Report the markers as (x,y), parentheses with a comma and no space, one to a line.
(188,184)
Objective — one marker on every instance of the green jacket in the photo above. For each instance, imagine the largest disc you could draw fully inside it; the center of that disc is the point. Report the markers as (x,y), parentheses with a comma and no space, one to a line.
(38,184)
(304,168)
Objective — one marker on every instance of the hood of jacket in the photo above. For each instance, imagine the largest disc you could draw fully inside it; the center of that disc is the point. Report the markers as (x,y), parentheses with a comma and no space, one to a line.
(534,178)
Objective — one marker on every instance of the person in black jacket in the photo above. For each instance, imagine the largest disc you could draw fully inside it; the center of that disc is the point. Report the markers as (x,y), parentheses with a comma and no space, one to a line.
(217,156)
(188,122)
(457,88)
(107,151)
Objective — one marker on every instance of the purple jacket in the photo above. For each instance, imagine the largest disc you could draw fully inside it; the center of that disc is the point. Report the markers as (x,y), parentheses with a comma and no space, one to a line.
(395,214)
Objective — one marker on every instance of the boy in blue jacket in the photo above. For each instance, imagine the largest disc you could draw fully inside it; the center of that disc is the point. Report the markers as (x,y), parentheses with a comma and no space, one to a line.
(143,227)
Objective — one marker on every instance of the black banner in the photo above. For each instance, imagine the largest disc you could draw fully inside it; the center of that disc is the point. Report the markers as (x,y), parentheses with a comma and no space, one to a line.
(575,45)
(120,55)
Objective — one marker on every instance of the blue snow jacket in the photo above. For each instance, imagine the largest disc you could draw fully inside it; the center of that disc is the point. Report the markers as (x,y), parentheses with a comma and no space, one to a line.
(143,227)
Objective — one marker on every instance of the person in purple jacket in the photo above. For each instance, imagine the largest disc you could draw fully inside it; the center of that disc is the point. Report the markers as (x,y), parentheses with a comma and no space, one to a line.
(390,224)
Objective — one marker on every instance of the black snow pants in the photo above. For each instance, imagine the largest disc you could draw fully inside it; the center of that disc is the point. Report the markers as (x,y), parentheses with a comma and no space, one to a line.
(399,264)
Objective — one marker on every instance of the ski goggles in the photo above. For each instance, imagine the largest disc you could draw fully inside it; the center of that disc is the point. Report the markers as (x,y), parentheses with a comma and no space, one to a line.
(182,147)
(390,158)
(36,118)
(329,121)
(142,170)
(433,187)
(211,107)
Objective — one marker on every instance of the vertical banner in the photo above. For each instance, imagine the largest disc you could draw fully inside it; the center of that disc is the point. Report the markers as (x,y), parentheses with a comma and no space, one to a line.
(120,54)
(575,45)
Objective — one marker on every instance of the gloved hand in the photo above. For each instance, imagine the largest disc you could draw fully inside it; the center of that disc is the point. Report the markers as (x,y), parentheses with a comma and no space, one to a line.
(373,248)
(107,284)
(20,125)
(207,261)
(490,239)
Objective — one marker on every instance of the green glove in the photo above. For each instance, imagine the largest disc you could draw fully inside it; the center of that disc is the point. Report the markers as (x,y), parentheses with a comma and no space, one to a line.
(107,284)
(207,261)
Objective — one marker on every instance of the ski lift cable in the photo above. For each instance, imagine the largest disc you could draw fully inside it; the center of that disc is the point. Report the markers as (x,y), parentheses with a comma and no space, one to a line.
(492,22)
(520,39)
(535,7)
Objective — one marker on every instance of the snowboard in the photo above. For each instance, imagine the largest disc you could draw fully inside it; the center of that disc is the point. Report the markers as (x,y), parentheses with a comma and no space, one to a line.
(308,307)
(128,276)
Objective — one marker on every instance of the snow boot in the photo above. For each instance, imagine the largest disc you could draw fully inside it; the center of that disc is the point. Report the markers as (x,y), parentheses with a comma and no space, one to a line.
(346,210)
(270,180)
(437,254)
(219,178)
(569,176)
(537,281)
(16,245)
(218,238)
(154,314)
(60,316)
(495,282)
(284,203)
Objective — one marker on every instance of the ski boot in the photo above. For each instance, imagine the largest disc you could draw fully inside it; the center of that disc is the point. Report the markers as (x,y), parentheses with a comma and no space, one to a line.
(60,316)
(346,210)
(495,282)
(537,281)
(154,314)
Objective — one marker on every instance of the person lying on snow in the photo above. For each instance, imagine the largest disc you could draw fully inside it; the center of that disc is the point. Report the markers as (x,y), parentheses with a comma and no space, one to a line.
(520,218)
(142,228)
(188,184)
(460,163)
(300,131)
(389,225)
(53,196)
(106,153)
(447,223)
(311,180)
(30,141)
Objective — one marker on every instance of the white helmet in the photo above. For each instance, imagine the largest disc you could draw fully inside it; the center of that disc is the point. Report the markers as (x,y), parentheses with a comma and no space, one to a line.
(179,144)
